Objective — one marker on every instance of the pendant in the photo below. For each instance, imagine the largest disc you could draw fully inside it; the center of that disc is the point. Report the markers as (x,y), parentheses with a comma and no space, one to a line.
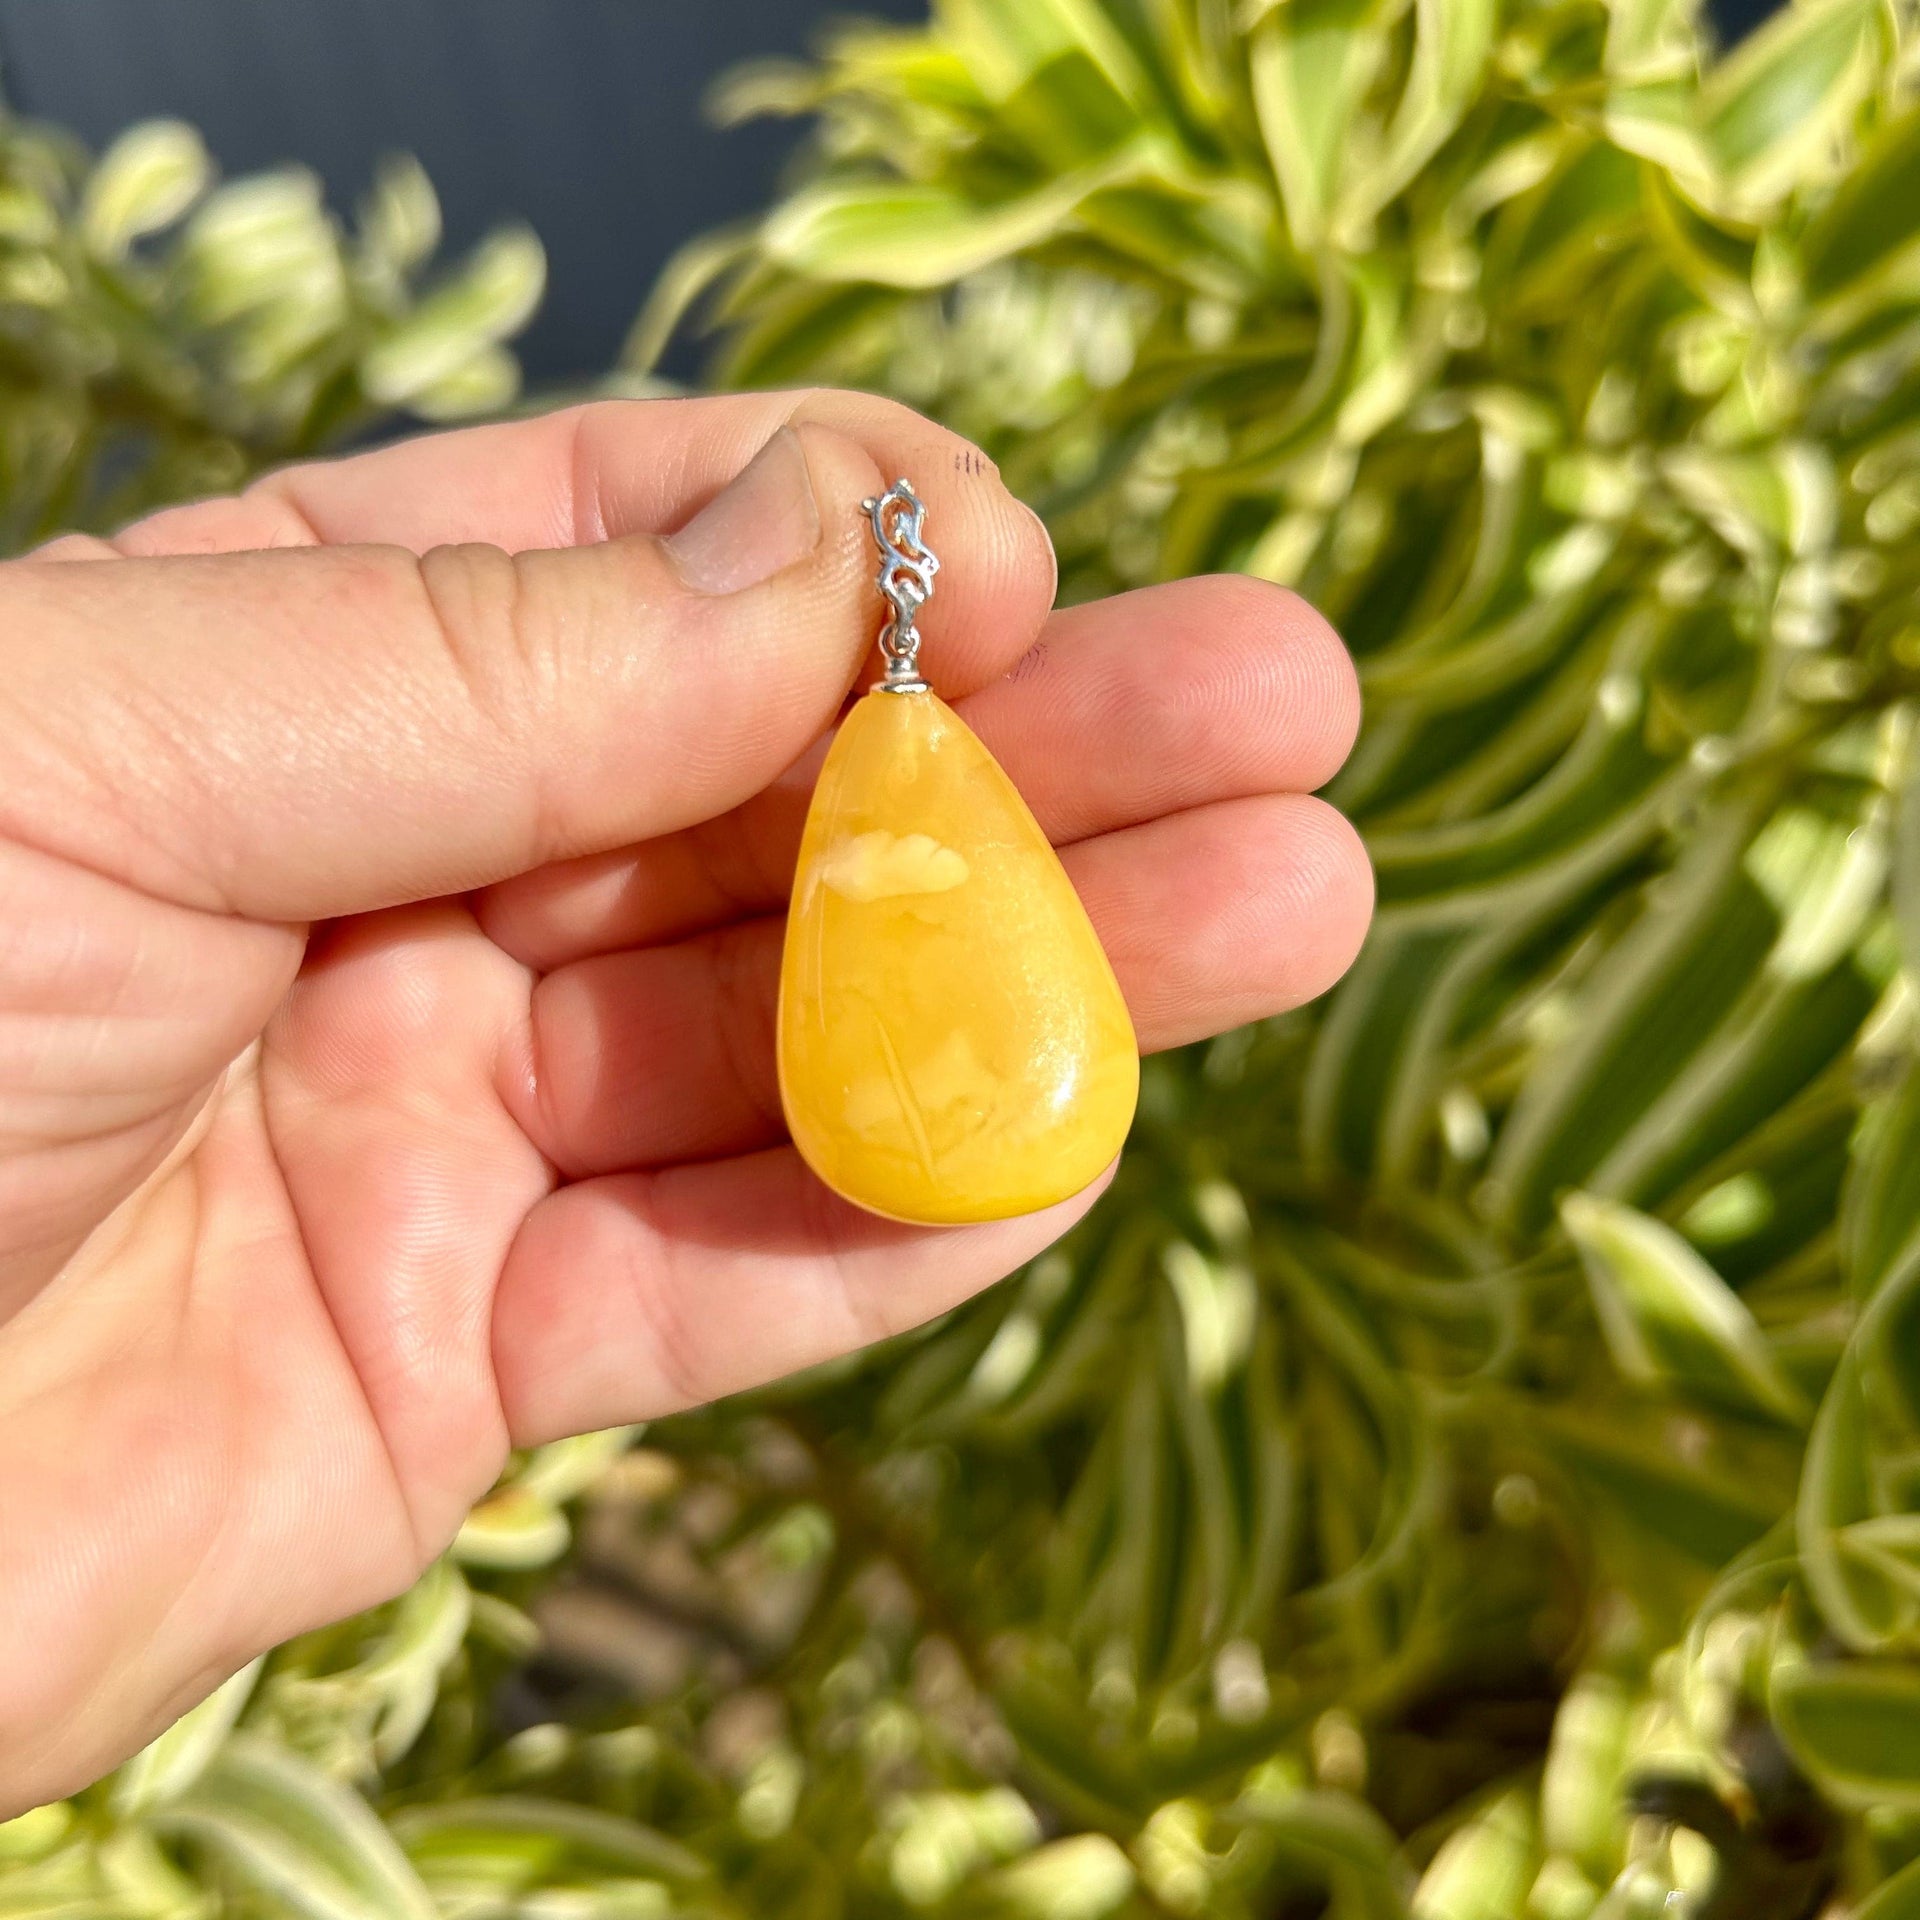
(952,1042)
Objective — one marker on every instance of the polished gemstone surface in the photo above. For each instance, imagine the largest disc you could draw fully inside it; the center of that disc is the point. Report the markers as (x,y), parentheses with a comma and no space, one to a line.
(953,1045)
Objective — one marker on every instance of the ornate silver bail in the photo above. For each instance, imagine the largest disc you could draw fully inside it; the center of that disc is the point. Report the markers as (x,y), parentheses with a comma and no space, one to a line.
(905,580)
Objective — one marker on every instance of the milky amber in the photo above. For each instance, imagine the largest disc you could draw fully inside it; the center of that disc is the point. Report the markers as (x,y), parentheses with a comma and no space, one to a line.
(953,1045)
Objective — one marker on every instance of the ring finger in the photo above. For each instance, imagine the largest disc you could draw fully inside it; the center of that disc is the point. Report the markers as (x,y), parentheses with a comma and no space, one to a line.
(1211,917)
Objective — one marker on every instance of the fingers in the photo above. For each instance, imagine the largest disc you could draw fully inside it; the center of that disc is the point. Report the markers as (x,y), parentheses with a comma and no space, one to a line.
(108,1043)
(620,467)
(408,1178)
(1230,913)
(1212,918)
(262,1397)
(1164,699)
(617,467)
(631,1297)
(321,731)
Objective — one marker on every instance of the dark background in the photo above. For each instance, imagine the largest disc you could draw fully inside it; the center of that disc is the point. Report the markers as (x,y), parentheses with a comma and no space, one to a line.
(581,116)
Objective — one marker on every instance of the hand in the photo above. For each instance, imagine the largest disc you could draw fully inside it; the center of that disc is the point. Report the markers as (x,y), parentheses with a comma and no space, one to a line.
(391,869)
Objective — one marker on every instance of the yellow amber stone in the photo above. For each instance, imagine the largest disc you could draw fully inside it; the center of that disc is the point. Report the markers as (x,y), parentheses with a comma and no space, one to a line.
(953,1045)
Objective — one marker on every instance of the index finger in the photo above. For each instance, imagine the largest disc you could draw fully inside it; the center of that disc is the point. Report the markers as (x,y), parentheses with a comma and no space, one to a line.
(613,467)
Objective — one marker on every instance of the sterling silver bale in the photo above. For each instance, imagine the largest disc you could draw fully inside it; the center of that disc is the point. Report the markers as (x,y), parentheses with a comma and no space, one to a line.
(905,580)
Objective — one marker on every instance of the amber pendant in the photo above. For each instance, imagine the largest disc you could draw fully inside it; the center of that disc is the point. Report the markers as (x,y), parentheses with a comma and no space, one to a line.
(952,1042)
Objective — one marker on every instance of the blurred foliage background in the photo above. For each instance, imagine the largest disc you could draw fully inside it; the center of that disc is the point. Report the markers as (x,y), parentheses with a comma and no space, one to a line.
(582,117)
(1469,1467)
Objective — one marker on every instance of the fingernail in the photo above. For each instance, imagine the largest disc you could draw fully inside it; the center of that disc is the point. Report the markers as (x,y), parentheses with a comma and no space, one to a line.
(764,519)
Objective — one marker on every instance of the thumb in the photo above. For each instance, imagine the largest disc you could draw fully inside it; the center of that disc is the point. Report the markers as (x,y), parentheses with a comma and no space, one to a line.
(307,732)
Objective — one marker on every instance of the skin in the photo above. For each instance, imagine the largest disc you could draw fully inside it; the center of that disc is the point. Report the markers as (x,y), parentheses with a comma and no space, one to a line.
(391,868)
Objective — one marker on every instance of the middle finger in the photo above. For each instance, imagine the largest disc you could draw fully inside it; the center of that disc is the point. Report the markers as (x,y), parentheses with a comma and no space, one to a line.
(1160,700)
(1211,917)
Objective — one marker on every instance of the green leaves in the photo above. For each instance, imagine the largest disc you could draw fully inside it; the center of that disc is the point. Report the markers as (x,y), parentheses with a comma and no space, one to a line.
(1057,71)
(522,1522)
(1864,234)
(1673,976)
(1854,1726)
(1772,107)
(169,332)
(1310,65)
(1452,41)
(1485,1869)
(908,235)
(1894,1899)
(300,1843)
(1580,1799)
(445,359)
(1880,1224)
(1086,1877)
(1640,1483)
(503,1848)
(1668,1318)
(170,1765)
(145,181)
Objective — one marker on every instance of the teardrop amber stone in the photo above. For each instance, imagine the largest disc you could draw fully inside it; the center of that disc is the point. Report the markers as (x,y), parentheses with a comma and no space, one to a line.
(953,1045)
